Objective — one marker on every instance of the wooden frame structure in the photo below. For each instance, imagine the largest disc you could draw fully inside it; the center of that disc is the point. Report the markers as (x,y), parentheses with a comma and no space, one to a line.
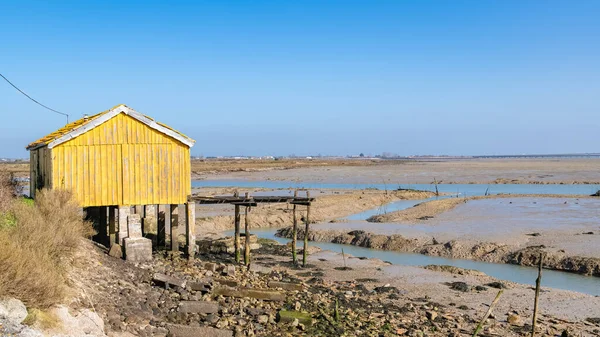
(248,202)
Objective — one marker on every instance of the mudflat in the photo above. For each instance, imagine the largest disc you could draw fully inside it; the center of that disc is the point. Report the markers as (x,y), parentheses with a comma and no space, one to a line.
(455,171)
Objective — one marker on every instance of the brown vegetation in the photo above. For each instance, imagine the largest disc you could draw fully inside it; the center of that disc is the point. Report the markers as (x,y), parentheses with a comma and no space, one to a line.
(37,247)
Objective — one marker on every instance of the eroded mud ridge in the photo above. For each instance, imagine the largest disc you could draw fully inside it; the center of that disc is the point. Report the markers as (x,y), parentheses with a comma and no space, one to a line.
(455,249)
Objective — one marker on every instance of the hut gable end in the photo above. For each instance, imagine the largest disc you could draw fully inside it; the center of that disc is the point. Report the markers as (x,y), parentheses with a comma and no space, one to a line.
(118,157)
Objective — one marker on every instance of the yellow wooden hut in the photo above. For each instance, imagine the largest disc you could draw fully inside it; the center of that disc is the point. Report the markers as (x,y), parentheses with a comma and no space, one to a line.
(116,157)
(112,161)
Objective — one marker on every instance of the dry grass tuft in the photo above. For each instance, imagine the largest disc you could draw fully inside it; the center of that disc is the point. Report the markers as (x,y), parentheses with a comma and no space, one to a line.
(36,251)
(9,189)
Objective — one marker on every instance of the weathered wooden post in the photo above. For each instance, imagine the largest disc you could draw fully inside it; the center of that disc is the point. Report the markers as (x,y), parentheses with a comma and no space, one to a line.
(112,228)
(538,283)
(161,227)
(247,235)
(307,221)
(174,209)
(236,221)
(294,231)
(190,228)
(487,314)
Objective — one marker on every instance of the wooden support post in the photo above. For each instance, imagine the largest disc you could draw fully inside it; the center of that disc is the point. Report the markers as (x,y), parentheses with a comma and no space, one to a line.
(294,231)
(112,221)
(174,210)
(487,314)
(236,222)
(104,225)
(190,229)
(247,235)
(538,283)
(161,225)
(307,221)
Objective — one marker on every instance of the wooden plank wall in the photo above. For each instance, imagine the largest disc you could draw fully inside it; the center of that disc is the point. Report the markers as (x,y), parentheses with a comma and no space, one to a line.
(123,162)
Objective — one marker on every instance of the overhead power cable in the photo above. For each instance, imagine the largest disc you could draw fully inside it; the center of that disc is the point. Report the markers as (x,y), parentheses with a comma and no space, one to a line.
(31,98)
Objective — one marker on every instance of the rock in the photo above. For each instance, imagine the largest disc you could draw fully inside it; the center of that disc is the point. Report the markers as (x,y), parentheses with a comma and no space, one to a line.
(513,319)
(256,268)
(229,270)
(261,294)
(480,288)
(262,319)
(86,322)
(460,286)
(285,285)
(497,285)
(431,315)
(176,330)
(401,331)
(116,251)
(210,266)
(255,311)
(291,316)
(203,286)
(229,283)
(201,307)
(593,320)
(167,280)
(12,311)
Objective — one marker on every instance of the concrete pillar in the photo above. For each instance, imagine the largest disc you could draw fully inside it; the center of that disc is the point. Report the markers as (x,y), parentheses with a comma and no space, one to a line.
(190,229)
(174,210)
(123,213)
(112,221)
(136,247)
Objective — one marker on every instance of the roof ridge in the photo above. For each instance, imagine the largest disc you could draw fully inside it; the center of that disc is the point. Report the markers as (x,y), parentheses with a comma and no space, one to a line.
(76,128)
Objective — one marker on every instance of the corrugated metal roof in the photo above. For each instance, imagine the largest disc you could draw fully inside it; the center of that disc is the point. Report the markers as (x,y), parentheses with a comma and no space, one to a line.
(80,123)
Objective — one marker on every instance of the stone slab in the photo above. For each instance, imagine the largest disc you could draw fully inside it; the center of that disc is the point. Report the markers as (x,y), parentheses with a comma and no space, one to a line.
(285,285)
(176,330)
(198,307)
(260,294)
(168,280)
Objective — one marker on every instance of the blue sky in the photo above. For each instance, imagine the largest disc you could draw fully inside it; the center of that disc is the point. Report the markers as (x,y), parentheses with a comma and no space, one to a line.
(310,77)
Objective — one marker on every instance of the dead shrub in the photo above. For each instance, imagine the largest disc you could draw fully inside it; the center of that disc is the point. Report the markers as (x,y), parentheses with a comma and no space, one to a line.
(37,251)
(8,190)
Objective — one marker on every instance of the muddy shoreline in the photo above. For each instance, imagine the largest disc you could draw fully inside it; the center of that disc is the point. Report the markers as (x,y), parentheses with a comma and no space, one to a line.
(455,249)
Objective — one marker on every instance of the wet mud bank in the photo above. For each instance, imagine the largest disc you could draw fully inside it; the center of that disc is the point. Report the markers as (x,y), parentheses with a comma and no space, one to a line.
(455,249)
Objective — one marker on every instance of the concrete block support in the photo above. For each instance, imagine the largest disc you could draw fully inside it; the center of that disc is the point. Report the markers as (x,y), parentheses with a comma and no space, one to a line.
(123,213)
(190,229)
(136,247)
